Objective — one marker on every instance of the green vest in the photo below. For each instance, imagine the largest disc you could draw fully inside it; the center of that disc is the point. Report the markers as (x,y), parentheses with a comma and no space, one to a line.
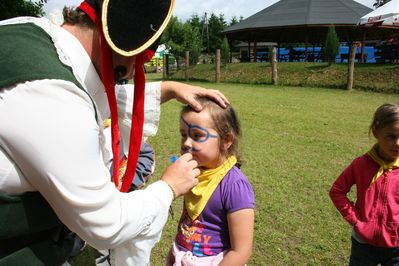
(27,53)
(30,232)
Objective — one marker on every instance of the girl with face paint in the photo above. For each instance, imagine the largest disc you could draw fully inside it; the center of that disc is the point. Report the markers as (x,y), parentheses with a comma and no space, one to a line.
(215,211)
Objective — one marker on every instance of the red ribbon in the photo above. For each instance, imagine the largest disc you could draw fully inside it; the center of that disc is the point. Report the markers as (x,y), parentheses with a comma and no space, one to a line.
(136,132)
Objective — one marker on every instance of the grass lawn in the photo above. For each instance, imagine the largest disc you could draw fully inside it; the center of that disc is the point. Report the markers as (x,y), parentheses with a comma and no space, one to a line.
(296,141)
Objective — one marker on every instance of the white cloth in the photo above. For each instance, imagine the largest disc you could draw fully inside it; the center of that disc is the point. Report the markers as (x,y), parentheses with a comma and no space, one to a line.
(50,142)
(125,96)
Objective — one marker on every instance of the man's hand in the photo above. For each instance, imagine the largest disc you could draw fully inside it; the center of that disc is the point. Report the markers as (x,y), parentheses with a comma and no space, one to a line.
(185,93)
(182,174)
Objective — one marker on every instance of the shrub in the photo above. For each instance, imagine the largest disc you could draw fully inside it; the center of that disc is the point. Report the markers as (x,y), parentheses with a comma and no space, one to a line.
(331,47)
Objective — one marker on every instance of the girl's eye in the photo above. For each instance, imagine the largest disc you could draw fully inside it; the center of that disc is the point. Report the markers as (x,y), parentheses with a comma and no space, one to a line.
(183,135)
(197,135)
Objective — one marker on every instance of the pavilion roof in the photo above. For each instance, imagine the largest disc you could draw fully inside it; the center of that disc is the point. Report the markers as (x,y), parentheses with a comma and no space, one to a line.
(295,20)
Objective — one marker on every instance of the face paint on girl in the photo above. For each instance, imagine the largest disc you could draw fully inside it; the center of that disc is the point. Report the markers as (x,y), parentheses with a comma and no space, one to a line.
(200,139)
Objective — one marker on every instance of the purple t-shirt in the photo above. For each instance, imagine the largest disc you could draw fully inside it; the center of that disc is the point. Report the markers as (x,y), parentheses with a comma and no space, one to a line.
(208,235)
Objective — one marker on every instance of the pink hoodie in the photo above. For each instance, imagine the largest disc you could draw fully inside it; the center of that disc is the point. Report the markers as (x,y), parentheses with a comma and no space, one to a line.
(375,215)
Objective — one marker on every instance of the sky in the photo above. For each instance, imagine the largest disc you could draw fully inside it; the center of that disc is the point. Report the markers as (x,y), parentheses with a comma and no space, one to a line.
(185,9)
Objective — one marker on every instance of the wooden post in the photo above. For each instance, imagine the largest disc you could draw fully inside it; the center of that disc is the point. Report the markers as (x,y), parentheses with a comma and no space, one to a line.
(255,48)
(274,66)
(165,66)
(217,65)
(156,64)
(314,55)
(278,53)
(363,44)
(249,51)
(306,47)
(351,65)
(187,65)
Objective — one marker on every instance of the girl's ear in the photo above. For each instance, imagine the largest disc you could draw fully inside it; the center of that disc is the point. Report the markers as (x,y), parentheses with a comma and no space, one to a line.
(227,141)
(374,132)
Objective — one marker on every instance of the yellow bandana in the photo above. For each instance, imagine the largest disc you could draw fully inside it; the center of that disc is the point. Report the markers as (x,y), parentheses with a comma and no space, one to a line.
(383,165)
(196,199)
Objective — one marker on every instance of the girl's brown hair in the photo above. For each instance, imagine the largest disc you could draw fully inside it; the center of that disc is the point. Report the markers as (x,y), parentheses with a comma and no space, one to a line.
(224,121)
(385,115)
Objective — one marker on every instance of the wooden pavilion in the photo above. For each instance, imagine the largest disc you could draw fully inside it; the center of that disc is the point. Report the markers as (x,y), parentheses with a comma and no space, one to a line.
(306,21)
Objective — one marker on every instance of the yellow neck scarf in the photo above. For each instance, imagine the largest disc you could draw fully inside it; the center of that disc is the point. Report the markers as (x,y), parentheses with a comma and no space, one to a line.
(383,165)
(196,199)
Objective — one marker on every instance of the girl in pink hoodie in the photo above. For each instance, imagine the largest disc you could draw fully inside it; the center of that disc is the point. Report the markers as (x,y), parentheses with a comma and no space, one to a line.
(375,214)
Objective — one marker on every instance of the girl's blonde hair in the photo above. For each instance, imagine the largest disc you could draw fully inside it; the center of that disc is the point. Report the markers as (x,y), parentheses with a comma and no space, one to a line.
(224,121)
(385,115)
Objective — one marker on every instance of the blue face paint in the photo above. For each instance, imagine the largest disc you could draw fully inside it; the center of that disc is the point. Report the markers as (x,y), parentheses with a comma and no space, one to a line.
(197,133)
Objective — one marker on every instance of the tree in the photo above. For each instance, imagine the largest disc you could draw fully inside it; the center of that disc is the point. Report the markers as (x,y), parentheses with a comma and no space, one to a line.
(379,3)
(331,47)
(192,42)
(216,25)
(172,37)
(198,24)
(181,37)
(197,35)
(195,22)
(15,8)
(225,51)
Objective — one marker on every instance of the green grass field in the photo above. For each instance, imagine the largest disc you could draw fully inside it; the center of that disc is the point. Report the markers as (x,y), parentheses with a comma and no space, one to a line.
(296,141)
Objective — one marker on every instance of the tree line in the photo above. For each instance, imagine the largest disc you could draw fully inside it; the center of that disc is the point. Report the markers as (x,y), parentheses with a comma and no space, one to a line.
(198,35)
(15,8)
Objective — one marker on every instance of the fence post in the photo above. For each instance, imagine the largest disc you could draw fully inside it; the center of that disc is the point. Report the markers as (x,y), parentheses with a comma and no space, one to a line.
(351,65)
(217,65)
(165,66)
(274,66)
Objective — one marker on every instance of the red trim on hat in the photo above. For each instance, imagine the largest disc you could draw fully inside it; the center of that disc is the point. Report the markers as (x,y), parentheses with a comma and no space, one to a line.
(90,11)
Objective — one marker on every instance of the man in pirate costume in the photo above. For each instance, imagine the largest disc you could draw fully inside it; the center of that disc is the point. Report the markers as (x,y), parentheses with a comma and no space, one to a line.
(54,172)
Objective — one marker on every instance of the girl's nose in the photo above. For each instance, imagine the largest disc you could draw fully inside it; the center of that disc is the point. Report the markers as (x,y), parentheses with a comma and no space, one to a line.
(187,145)
(396,142)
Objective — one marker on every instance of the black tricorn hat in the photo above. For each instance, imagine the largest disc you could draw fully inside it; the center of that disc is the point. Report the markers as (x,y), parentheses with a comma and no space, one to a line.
(131,26)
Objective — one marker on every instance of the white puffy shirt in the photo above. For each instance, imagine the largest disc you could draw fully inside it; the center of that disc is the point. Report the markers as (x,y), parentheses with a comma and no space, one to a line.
(50,142)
